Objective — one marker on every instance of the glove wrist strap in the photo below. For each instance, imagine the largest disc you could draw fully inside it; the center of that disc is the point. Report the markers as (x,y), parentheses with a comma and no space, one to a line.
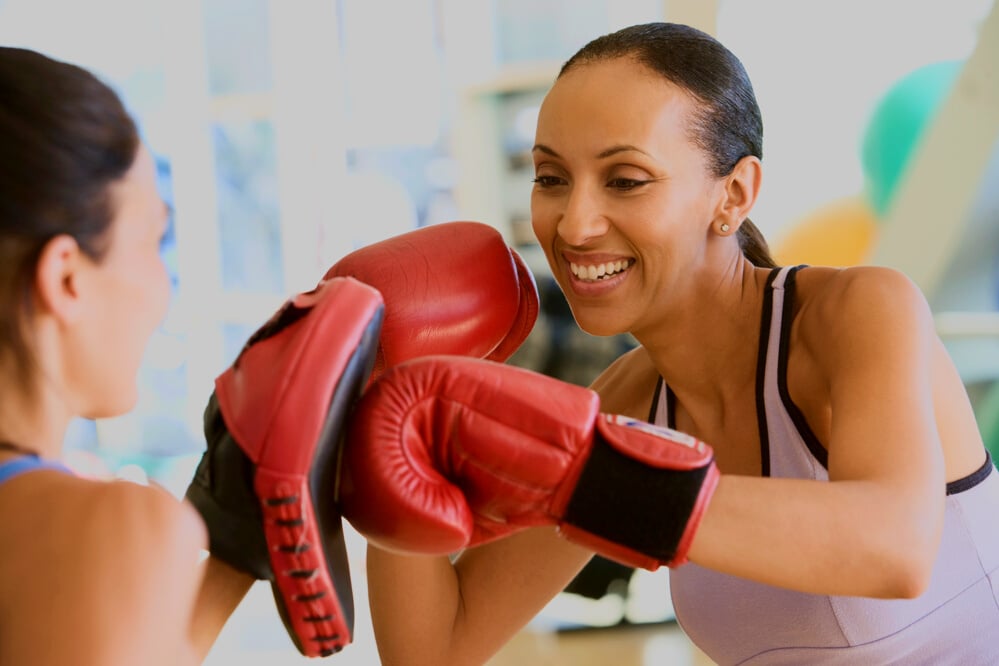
(640,513)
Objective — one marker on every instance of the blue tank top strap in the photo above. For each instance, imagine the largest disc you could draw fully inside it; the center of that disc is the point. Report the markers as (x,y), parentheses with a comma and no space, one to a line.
(18,466)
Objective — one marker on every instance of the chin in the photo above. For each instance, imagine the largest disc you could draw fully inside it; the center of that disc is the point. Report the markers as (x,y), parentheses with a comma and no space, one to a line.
(598,326)
(112,406)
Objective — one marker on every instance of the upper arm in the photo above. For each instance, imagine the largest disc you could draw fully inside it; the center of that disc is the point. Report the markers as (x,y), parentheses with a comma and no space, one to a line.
(872,338)
(116,581)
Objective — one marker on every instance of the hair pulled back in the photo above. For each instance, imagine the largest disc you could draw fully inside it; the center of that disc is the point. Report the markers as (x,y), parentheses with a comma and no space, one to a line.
(65,137)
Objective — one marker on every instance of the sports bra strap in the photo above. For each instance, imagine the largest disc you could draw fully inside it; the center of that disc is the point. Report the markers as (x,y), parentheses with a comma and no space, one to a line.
(18,466)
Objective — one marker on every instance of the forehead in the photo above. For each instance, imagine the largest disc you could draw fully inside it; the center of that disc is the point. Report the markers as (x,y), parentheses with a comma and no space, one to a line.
(615,101)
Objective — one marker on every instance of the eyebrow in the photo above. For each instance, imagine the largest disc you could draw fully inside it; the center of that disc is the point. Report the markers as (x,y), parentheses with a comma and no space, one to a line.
(613,150)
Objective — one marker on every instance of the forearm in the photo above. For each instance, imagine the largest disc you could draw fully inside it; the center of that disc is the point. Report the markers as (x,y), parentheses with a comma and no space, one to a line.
(427,611)
(842,537)
(221,591)
(414,600)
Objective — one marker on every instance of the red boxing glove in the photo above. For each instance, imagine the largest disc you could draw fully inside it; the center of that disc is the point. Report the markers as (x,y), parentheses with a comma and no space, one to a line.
(447,452)
(449,288)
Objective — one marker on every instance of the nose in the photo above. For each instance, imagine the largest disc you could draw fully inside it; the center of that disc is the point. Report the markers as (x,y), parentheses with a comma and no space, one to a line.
(582,218)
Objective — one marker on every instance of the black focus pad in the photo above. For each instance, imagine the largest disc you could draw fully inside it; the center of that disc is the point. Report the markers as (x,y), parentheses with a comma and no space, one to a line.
(222,492)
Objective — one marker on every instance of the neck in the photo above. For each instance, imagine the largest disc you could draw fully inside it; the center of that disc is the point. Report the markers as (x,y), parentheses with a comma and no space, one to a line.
(709,350)
(33,423)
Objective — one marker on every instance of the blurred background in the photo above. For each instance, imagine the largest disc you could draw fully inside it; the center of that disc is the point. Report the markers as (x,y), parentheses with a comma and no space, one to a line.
(290,132)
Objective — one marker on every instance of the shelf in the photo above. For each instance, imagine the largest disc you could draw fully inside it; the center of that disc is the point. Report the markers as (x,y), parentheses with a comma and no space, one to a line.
(955,325)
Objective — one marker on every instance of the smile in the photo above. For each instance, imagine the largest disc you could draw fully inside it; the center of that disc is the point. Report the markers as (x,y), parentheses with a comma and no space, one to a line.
(594,272)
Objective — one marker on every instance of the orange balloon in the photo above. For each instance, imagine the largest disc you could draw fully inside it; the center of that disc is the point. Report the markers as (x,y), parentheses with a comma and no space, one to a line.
(839,233)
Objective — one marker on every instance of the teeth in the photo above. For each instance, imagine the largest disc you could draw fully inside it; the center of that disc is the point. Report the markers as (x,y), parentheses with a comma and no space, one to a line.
(598,271)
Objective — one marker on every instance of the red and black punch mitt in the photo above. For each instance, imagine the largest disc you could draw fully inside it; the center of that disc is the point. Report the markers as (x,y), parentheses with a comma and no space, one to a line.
(267,483)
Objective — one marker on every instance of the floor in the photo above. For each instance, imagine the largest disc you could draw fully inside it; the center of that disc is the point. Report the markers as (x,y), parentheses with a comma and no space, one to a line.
(620,646)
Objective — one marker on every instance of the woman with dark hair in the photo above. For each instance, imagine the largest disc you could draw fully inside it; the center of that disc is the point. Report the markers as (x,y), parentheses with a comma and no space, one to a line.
(852,520)
(93,572)
(107,573)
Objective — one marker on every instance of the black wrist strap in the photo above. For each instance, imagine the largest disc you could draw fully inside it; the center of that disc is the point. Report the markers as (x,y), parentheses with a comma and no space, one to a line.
(632,504)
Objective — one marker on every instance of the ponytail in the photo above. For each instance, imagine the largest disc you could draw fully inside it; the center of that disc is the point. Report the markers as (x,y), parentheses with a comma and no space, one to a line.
(754,246)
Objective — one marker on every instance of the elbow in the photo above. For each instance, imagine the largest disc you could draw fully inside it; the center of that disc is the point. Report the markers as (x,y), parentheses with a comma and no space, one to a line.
(908,582)
(911,568)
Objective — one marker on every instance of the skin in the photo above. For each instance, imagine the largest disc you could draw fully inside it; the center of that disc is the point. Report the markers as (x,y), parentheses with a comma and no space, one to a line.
(104,572)
(622,184)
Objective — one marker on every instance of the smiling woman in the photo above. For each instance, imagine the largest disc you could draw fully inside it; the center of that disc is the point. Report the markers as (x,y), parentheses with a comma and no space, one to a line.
(738,444)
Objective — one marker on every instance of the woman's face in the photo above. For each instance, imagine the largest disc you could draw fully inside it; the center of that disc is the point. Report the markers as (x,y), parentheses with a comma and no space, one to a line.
(129,291)
(622,201)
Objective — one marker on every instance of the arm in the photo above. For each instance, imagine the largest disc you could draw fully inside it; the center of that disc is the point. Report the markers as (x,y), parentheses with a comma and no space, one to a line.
(463,613)
(448,453)
(221,591)
(875,528)
(426,611)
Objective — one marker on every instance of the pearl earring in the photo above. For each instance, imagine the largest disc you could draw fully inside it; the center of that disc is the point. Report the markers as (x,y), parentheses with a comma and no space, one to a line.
(724,227)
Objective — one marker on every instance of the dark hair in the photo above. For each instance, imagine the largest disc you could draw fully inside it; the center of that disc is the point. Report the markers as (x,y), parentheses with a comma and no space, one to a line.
(727,126)
(65,137)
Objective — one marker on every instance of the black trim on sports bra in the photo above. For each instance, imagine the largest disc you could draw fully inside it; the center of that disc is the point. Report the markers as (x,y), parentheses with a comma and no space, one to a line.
(655,400)
(761,372)
(973,479)
(670,408)
(811,441)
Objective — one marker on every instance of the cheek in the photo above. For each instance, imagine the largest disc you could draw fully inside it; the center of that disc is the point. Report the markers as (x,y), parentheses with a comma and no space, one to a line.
(543,218)
(161,288)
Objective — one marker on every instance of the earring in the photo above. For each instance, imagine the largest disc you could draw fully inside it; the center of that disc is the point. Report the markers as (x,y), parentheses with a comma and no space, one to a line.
(724,227)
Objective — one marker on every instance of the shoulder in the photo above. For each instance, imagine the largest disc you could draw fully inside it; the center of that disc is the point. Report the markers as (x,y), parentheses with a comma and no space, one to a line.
(149,511)
(844,296)
(848,310)
(106,525)
(133,530)
(115,567)
(627,385)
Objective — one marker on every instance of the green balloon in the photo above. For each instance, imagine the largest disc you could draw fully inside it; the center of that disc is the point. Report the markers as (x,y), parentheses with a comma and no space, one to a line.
(896,126)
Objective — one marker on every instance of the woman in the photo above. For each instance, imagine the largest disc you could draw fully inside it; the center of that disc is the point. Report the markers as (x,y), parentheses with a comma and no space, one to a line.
(93,572)
(836,418)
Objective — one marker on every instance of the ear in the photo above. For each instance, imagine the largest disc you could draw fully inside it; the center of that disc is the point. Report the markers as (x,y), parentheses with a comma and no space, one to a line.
(742,187)
(58,278)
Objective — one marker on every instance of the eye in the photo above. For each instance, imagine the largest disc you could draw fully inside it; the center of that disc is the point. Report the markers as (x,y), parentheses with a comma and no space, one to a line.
(626,184)
(545,182)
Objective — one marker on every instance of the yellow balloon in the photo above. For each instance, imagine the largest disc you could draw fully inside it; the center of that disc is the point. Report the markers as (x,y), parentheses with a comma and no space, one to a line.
(839,233)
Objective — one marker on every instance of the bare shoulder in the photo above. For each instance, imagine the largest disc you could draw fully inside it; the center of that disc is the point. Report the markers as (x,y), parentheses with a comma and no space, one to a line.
(149,515)
(627,385)
(107,526)
(835,300)
(115,566)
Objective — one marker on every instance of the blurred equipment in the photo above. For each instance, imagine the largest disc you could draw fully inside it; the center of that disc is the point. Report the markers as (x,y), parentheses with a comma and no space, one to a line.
(897,125)
(839,233)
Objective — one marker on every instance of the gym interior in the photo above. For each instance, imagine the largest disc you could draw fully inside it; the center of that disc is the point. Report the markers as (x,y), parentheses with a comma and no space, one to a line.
(287,134)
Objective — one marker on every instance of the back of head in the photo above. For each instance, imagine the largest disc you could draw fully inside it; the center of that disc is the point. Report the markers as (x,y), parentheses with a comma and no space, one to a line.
(65,138)
(727,126)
